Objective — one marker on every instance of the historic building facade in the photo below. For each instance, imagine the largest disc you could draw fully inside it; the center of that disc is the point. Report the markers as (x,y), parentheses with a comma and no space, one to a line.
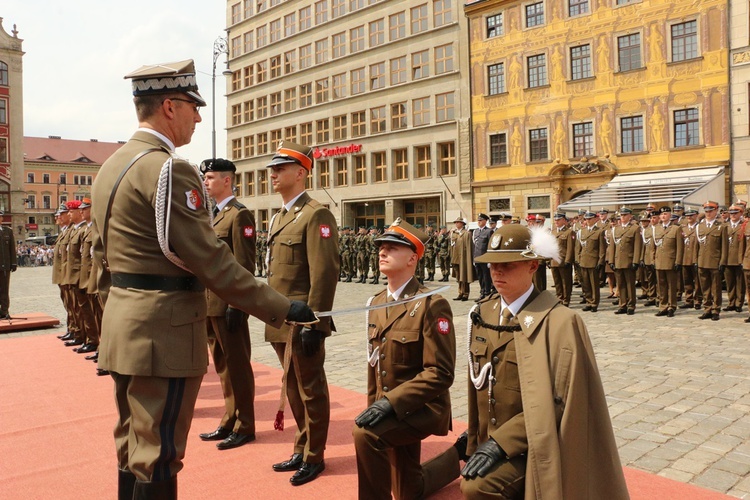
(378,88)
(739,43)
(566,94)
(11,130)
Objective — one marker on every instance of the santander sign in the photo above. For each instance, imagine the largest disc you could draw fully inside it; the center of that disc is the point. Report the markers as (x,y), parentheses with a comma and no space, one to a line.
(336,151)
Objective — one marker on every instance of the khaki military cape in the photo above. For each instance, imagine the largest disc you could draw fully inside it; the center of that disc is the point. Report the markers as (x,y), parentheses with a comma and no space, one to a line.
(572,451)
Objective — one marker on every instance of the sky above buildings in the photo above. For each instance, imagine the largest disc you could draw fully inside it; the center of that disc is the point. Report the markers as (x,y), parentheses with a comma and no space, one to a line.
(76,54)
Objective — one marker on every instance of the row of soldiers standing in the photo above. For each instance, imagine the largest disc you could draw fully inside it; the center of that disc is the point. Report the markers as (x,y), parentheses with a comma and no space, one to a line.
(359,254)
(75,272)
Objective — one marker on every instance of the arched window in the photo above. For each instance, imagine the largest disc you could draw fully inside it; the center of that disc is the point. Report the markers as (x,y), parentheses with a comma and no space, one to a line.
(3,74)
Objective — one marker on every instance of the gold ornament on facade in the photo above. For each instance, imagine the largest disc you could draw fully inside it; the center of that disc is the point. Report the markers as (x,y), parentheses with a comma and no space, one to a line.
(581,113)
(685,98)
(630,106)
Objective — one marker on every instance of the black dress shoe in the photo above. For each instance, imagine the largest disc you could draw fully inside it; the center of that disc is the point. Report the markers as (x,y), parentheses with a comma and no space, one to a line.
(87,348)
(460,297)
(631,312)
(670,313)
(747,320)
(101,373)
(705,315)
(234,440)
(663,312)
(220,434)
(306,473)
(593,309)
(583,301)
(293,463)
(686,306)
(697,307)
(464,299)
(649,303)
(76,349)
(460,445)
(73,343)
(65,336)
(93,357)
(586,308)
(715,317)
(616,302)
(622,310)
(729,308)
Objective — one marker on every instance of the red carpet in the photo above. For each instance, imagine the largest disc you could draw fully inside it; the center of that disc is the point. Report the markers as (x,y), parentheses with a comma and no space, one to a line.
(56,420)
(27,321)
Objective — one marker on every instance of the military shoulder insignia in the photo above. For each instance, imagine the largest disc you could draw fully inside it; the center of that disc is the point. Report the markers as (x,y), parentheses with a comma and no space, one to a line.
(193,199)
(248,231)
(325,231)
(528,321)
(443,326)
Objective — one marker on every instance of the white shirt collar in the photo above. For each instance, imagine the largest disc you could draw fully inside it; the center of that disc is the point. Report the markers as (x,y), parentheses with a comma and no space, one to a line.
(398,292)
(223,203)
(517,304)
(159,135)
(291,203)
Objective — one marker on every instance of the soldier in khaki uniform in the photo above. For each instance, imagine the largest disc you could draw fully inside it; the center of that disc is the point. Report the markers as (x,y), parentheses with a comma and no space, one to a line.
(72,275)
(372,251)
(711,235)
(591,257)
(304,265)
(363,258)
(627,242)
(669,247)
(443,249)
(58,265)
(647,258)
(8,264)
(733,271)
(538,423)
(745,249)
(86,311)
(228,332)
(90,269)
(412,353)
(693,297)
(461,261)
(154,323)
(260,253)
(562,274)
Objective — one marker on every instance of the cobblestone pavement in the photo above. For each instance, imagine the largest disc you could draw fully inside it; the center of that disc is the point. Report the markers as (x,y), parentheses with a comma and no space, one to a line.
(678,388)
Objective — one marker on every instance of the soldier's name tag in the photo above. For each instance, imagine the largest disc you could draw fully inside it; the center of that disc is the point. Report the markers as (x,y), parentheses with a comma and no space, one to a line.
(248,231)
(476,366)
(481,339)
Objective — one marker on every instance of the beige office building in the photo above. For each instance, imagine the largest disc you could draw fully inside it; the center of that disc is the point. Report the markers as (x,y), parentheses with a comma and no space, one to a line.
(375,87)
(739,79)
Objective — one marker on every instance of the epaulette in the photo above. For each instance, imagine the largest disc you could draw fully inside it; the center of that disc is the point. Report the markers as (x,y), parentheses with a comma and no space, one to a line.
(238,205)
(313,203)
(488,298)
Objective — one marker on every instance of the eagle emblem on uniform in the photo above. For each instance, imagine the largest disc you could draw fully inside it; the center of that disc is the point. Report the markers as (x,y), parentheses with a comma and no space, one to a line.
(193,199)
(443,326)
(325,231)
(248,231)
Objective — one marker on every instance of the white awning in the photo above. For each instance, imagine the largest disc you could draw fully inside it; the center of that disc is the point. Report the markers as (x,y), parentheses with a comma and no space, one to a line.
(690,187)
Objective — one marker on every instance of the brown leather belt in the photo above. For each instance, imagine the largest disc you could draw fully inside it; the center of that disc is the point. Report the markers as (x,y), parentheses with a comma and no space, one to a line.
(156,282)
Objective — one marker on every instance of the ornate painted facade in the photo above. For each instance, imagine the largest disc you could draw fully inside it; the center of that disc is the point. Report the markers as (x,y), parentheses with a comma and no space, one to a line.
(568,93)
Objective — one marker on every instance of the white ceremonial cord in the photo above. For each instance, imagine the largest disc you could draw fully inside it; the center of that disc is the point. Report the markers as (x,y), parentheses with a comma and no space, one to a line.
(163,211)
(372,356)
(477,380)
(268,248)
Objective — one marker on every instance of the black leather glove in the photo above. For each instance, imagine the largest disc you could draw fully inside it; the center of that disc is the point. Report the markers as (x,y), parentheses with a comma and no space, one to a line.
(235,318)
(722,268)
(612,266)
(374,413)
(487,454)
(598,268)
(678,267)
(299,312)
(310,340)
(634,266)
(568,264)
(641,264)
(13,268)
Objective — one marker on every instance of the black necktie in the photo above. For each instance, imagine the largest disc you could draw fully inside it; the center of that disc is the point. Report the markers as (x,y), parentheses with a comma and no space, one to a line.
(216,211)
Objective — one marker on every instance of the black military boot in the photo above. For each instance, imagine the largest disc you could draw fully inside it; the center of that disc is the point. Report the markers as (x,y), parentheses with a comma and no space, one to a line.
(125,484)
(348,279)
(375,281)
(431,277)
(151,490)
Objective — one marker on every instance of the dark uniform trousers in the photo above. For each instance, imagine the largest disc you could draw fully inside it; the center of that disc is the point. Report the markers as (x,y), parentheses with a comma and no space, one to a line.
(231,354)
(710,280)
(626,287)
(86,316)
(692,285)
(650,282)
(562,276)
(95,304)
(589,277)
(5,290)
(306,381)
(735,286)
(668,282)
(162,410)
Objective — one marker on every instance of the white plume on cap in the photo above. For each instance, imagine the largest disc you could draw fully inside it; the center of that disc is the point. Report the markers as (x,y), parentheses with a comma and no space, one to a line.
(543,244)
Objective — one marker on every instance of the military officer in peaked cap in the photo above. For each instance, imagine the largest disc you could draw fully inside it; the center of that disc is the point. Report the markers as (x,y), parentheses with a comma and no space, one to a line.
(154,323)
(628,246)
(412,354)
(8,264)
(228,332)
(562,272)
(303,263)
(668,253)
(531,367)
(733,276)
(713,246)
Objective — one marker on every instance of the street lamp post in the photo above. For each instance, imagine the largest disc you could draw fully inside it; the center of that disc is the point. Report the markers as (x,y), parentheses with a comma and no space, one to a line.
(220,47)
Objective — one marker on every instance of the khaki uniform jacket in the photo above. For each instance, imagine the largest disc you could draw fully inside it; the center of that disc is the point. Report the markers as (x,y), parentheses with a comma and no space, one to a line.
(87,241)
(669,246)
(416,359)
(628,244)
(734,238)
(593,247)
(648,250)
(58,262)
(712,244)
(155,332)
(566,241)
(8,256)
(235,226)
(304,259)
(745,247)
(690,254)
(570,447)
(73,261)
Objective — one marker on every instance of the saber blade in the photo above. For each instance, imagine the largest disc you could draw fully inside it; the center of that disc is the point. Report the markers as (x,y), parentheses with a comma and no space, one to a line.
(341,312)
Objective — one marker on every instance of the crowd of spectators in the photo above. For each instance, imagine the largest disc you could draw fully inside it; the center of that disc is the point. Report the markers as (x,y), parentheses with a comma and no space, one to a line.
(34,255)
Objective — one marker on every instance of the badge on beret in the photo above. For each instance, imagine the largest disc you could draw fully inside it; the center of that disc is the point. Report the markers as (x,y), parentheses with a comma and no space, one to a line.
(248,231)
(193,199)
(443,326)
(325,231)
(495,241)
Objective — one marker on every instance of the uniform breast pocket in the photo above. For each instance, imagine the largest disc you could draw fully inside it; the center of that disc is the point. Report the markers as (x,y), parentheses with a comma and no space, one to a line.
(407,348)
(508,373)
(290,248)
